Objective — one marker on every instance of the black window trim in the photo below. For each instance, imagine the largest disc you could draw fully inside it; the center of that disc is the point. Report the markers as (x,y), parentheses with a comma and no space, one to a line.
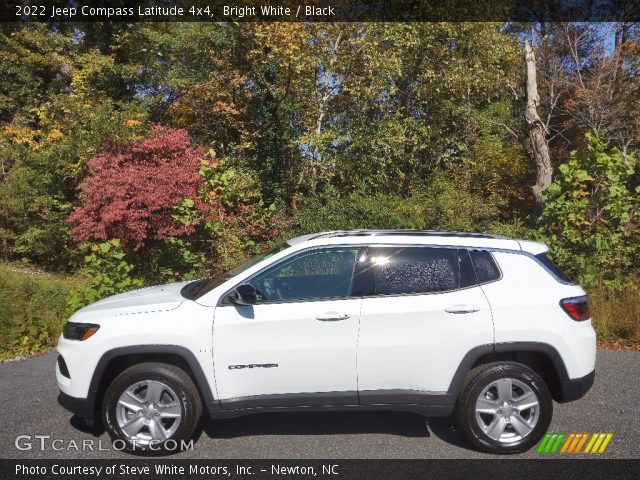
(363,247)
(224,302)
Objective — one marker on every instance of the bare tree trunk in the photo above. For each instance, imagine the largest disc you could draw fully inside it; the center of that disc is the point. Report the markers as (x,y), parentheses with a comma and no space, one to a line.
(537,130)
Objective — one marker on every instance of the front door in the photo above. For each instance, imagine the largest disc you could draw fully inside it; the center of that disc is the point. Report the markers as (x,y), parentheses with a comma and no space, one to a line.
(297,344)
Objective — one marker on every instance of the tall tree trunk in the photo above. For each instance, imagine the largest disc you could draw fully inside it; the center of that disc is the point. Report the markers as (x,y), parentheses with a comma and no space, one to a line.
(537,130)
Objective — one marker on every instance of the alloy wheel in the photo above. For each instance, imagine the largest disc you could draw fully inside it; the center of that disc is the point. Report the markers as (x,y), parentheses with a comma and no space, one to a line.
(507,410)
(149,412)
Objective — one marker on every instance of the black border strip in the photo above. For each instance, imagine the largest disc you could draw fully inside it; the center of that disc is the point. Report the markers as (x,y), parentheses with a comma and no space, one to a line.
(129,11)
(542,468)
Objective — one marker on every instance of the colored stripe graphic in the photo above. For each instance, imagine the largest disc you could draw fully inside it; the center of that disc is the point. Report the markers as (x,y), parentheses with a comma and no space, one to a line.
(598,443)
(591,442)
(543,442)
(574,443)
(555,447)
(604,445)
(581,443)
(567,443)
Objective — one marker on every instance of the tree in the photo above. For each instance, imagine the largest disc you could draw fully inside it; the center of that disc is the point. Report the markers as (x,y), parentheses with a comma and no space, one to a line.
(132,189)
(537,129)
(62,103)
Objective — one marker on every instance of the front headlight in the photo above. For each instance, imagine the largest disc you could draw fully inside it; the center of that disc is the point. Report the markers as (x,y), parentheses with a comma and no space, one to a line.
(79,331)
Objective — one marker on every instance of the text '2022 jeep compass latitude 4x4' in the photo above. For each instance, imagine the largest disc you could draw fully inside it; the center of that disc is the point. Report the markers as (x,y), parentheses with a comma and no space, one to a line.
(428,322)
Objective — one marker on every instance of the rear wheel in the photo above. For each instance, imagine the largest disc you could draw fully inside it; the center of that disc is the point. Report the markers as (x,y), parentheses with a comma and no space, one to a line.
(504,407)
(152,408)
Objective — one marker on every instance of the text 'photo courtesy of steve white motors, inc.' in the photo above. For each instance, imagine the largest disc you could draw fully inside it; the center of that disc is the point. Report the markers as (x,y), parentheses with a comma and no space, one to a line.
(319,239)
(168,470)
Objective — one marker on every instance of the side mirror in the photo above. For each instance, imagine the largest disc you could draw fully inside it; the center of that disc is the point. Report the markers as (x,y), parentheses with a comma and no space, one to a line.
(244,294)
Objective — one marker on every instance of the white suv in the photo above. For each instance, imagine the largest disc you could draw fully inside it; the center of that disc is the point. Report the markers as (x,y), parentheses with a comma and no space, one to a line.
(428,322)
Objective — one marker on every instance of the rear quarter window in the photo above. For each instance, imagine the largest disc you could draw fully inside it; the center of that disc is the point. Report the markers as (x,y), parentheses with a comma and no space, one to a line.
(485,266)
(553,268)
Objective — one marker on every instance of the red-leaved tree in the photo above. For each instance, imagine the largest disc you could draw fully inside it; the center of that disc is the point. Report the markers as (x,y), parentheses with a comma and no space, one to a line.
(132,189)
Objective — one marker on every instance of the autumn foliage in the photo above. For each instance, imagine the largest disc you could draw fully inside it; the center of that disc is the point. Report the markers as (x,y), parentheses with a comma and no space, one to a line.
(132,189)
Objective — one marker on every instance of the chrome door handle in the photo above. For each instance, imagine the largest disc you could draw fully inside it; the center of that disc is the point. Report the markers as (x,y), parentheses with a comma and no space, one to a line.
(332,316)
(462,309)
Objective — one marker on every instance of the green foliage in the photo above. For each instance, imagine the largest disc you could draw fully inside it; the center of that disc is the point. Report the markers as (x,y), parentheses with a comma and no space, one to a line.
(107,272)
(591,216)
(224,183)
(355,211)
(448,205)
(183,263)
(59,103)
(34,309)
(230,221)
(441,205)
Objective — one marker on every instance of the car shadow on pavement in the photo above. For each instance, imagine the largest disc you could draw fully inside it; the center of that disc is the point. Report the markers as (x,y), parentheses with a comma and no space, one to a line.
(317,423)
(332,423)
(80,424)
(448,431)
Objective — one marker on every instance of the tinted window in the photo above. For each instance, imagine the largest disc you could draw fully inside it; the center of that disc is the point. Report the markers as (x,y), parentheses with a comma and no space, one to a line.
(467,274)
(414,270)
(553,267)
(316,274)
(484,266)
(198,288)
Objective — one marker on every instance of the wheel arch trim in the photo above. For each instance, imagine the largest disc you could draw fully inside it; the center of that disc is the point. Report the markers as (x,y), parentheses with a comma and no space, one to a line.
(198,376)
(476,353)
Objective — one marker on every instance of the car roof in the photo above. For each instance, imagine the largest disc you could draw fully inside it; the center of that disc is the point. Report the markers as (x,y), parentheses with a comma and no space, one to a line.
(418,237)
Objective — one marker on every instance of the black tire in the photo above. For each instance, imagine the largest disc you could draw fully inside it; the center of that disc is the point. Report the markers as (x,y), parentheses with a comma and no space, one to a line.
(187,396)
(481,377)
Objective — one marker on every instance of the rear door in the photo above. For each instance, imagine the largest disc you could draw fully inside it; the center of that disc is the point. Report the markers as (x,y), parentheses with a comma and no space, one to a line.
(297,345)
(421,316)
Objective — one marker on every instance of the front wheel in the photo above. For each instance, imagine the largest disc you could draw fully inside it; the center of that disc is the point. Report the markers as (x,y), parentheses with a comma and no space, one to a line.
(151,408)
(504,407)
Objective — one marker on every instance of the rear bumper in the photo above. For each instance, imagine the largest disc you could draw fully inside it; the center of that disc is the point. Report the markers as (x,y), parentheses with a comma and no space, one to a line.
(573,389)
(78,406)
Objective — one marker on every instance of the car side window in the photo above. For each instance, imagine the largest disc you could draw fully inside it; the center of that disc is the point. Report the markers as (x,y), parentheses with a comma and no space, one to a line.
(414,270)
(326,273)
(485,266)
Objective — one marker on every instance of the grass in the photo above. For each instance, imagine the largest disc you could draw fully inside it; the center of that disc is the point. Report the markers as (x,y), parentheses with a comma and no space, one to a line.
(33,309)
(616,315)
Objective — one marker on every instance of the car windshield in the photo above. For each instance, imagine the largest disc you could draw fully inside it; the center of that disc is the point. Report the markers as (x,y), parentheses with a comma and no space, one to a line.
(198,288)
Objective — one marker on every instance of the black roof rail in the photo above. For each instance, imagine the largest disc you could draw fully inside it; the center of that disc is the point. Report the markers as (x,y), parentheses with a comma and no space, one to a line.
(435,233)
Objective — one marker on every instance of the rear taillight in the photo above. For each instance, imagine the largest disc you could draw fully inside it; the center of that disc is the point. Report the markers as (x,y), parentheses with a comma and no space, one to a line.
(577,308)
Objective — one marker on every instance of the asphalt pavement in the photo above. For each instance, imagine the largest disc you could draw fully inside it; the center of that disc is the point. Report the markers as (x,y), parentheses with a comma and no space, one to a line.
(28,408)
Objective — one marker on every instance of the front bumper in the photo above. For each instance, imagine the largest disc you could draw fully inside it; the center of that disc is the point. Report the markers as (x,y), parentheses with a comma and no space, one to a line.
(573,389)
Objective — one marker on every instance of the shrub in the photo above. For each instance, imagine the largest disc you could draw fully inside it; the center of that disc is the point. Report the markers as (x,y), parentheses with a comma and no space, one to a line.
(229,219)
(591,217)
(34,309)
(107,273)
(441,205)
(357,211)
(133,188)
